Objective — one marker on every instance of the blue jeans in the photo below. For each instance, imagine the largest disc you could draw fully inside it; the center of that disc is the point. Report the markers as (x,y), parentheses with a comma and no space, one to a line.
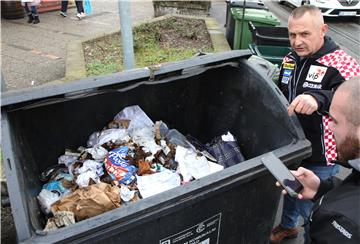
(293,208)
(33,10)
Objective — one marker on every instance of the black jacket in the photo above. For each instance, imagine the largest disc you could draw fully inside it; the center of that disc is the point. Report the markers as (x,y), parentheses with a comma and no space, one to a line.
(336,215)
(319,76)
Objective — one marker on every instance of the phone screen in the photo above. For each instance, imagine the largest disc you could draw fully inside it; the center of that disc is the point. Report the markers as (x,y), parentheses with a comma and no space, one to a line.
(282,174)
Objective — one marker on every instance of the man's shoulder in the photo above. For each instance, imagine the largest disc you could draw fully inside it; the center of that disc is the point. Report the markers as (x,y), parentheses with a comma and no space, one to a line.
(340,60)
(336,218)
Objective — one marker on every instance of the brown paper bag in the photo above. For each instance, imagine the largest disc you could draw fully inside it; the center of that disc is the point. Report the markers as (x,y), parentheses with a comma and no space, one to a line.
(89,201)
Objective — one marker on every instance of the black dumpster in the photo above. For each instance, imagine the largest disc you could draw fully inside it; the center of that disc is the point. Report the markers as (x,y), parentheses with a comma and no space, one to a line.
(203,96)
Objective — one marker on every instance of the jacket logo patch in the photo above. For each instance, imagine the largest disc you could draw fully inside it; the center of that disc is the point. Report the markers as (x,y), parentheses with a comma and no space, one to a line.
(288,66)
(285,80)
(316,73)
(311,85)
(287,72)
(342,230)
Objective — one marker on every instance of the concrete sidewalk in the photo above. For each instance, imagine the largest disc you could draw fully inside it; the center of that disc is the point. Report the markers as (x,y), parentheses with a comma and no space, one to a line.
(35,54)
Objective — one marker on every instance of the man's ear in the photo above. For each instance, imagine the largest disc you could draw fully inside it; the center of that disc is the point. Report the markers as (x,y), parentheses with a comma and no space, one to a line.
(324,28)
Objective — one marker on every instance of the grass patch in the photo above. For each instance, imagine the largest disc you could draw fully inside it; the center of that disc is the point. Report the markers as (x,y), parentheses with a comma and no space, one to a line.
(167,40)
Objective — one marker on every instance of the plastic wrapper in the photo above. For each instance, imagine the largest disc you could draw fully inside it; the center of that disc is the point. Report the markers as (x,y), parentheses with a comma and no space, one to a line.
(118,167)
(138,118)
(176,138)
(46,198)
(51,173)
(67,159)
(57,184)
(161,130)
(226,150)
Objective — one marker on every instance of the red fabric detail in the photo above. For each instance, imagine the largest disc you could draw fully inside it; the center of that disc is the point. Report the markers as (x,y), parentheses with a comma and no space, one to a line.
(347,66)
(286,59)
(329,141)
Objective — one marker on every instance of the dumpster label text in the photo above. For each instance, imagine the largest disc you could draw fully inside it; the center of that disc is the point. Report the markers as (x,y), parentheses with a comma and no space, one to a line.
(205,232)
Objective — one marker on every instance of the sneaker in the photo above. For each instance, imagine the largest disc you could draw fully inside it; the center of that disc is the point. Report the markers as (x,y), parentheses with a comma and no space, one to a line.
(63,14)
(279,233)
(79,16)
(83,15)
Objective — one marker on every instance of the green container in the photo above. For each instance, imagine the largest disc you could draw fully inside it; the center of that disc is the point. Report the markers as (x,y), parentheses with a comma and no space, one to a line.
(259,17)
(274,54)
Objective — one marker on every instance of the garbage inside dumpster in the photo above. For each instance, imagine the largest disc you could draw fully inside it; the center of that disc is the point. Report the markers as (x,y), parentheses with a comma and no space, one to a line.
(130,159)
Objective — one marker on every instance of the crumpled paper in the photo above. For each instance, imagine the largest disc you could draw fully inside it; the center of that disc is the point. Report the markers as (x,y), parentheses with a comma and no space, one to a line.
(60,219)
(153,184)
(145,138)
(112,135)
(89,201)
(97,152)
(190,164)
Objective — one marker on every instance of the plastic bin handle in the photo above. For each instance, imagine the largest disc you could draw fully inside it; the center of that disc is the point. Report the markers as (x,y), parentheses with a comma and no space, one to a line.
(251,26)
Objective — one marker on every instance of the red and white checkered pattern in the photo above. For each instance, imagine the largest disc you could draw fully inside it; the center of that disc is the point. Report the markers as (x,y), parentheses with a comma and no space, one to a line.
(345,64)
(286,59)
(329,141)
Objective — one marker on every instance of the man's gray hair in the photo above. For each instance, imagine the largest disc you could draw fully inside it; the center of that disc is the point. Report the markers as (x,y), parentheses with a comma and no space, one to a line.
(312,10)
(300,11)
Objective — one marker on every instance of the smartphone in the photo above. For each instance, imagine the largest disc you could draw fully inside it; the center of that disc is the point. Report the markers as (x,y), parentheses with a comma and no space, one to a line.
(283,175)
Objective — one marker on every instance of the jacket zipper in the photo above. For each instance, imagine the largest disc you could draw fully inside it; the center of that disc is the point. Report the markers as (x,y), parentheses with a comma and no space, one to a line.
(322,138)
(293,92)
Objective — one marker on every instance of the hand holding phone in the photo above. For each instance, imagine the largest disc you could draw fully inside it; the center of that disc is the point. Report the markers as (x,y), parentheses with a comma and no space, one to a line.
(283,175)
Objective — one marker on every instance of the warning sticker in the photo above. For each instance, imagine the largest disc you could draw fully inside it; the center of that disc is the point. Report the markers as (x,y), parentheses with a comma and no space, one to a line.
(205,232)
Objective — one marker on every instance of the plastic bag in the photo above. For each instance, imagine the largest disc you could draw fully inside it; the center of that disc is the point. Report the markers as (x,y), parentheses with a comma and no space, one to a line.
(87,7)
(138,118)
(226,150)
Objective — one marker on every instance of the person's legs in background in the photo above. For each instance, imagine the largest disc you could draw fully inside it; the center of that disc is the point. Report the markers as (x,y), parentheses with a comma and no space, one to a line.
(35,15)
(80,9)
(28,13)
(64,6)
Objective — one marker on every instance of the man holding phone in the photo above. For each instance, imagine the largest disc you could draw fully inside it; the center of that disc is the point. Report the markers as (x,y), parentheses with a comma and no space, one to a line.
(309,76)
(336,216)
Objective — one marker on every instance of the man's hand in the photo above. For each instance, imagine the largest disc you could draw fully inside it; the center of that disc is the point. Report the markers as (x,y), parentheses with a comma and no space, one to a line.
(310,182)
(303,104)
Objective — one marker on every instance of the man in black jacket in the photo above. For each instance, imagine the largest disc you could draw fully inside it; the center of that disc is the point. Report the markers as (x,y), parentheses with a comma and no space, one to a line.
(336,215)
(309,76)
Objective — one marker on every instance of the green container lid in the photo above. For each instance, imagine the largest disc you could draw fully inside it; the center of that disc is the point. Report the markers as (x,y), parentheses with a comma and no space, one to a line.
(255,15)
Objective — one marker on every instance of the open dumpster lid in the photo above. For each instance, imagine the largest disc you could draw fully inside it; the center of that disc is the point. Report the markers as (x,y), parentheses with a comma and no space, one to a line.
(92,83)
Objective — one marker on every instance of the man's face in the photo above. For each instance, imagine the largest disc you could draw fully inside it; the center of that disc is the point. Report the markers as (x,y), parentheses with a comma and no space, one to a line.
(306,37)
(346,135)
